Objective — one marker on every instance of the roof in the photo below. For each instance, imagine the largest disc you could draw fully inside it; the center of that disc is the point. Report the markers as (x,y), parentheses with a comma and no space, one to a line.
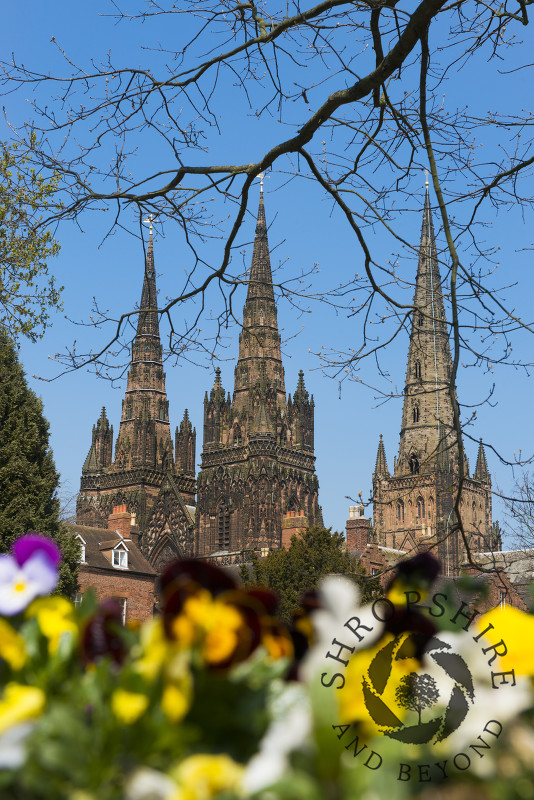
(517,564)
(99,539)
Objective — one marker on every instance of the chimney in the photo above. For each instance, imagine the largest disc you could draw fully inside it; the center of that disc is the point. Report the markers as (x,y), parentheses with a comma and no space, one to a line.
(120,520)
(357,529)
(293,522)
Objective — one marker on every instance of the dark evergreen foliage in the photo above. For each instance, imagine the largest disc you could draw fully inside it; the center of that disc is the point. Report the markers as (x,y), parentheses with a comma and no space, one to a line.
(28,477)
(290,573)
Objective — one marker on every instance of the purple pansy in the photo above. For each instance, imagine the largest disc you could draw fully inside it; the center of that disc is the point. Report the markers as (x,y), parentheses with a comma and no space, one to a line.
(31,543)
(31,571)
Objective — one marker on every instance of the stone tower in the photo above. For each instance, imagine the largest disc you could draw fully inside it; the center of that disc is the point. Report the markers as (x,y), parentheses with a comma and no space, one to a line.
(258,463)
(413,507)
(144,447)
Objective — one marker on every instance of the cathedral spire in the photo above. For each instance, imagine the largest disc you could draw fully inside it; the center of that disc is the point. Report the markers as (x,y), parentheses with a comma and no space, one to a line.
(381,466)
(482,473)
(258,462)
(427,418)
(144,437)
(259,365)
(99,455)
(148,324)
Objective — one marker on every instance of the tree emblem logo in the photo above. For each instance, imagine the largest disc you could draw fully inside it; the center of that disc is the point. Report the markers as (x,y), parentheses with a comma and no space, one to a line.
(419,713)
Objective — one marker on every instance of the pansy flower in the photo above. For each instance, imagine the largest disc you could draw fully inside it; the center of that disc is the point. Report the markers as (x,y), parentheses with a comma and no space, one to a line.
(31,571)
(413,575)
(204,608)
(102,635)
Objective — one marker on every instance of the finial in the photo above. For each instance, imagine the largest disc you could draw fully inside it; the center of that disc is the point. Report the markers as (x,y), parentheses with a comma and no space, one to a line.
(149,221)
(426,178)
(261,176)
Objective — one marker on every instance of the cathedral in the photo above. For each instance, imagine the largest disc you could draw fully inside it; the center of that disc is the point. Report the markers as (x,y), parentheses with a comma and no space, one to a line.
(257,483)
(413,507)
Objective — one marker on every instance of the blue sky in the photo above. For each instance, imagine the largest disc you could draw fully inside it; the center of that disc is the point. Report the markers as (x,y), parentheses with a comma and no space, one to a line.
(303,232)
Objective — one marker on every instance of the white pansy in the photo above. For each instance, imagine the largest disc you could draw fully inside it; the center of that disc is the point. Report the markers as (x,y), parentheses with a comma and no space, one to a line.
(13,745)
(149,784)
(340,615)
(289,730)
(20,584)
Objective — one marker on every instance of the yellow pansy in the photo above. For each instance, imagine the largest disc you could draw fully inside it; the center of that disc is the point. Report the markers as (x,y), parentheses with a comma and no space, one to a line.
(20,703)
(516,628)
(153,650)
(203,777)
(223,634)
(128,706)
(209,623)
(55,617)
(399,592)
(278,644)
(12,647)
(175,701)
(156,655)
(351,698)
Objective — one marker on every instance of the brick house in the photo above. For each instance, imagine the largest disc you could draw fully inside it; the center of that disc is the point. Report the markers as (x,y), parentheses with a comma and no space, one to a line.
(112,564)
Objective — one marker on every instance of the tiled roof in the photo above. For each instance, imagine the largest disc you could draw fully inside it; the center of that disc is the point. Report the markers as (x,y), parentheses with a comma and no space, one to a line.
(99,539)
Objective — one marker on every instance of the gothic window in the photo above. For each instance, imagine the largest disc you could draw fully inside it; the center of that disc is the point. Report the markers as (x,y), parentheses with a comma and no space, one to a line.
(414,464)
(400,511)
(415,413)
(237,435)
(261,315)
(128,410)
(162,412)
(243,377)
(418,370)
(223,529)
(420,321)
(420,508)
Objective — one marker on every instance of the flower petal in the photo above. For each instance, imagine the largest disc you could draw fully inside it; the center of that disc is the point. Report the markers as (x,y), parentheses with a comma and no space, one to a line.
(8,569)
(13,745)
(32,543)
(16,593)
(41,573)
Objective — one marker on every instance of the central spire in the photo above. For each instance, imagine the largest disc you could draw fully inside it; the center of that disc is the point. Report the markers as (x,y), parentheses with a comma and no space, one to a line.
(426,441)
(259,366)
(147,323)
(258,463)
